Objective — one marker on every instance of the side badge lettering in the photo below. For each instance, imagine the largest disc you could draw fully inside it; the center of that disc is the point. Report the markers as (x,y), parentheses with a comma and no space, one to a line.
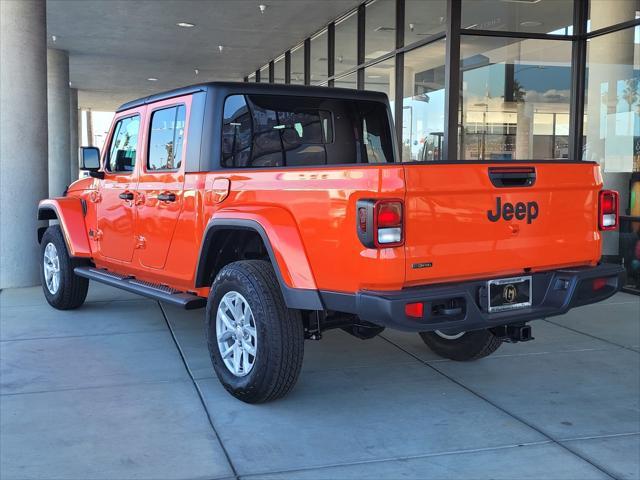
(422,265)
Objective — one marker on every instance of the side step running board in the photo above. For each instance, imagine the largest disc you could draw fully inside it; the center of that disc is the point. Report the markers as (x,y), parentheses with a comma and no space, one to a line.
(147,289)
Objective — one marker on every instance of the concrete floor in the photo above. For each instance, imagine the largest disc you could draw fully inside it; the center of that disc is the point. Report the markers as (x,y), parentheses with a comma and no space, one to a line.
(122,388)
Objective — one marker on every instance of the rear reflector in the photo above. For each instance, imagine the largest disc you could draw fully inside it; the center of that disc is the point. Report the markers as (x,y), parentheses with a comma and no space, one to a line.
(608,210)
(598,284)
(415,310)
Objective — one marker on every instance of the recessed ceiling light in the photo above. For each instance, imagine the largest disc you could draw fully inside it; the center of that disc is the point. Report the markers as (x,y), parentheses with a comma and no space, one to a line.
(530,23)
(262,8)
(152,79)
(185,24)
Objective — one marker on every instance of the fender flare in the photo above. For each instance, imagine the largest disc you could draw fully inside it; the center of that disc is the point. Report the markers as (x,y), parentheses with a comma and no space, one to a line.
(70,212)
(295,296)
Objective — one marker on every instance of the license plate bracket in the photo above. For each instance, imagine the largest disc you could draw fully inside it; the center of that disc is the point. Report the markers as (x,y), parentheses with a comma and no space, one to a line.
(509,294)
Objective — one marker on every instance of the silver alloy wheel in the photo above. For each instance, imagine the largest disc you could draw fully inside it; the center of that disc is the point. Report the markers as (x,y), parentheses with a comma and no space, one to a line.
(455,336)
(236,334)
(51,266)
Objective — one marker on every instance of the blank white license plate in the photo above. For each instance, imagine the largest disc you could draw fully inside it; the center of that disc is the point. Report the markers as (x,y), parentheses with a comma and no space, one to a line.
(509,293)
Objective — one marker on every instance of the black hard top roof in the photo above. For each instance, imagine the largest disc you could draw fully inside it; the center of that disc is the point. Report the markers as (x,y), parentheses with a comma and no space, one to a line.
(229,88)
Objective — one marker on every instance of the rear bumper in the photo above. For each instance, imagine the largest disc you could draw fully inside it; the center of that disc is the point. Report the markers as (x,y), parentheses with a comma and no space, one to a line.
(553,293)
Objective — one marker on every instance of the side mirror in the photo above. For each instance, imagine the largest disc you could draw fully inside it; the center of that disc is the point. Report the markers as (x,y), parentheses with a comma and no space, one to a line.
(89,159)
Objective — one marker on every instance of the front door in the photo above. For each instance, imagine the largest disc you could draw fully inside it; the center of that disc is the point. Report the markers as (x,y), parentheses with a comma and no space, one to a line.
(161,180)
(116,208)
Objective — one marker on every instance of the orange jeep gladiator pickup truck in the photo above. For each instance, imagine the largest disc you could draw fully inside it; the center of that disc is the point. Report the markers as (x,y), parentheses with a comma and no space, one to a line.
(285,211)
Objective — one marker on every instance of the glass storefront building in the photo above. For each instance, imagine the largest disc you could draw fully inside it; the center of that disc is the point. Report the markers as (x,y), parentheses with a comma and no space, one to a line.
(496,80)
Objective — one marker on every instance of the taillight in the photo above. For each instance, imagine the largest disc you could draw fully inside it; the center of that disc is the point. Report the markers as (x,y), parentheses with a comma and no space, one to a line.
(380,223)
(388,223)
(608,210)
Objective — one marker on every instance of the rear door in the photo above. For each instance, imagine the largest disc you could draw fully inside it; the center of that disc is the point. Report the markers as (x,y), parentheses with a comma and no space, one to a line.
(161,181)
(471,220)
(116,211)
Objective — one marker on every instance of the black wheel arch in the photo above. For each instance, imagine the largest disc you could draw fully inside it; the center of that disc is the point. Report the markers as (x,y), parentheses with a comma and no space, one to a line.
(46,212)
(49,212)
(296,298)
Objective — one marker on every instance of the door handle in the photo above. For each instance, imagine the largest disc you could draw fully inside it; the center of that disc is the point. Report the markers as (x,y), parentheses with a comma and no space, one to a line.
(167,197)
(126,196)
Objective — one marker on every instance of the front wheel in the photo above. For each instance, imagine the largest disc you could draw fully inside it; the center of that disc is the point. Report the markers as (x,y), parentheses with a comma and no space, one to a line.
(62,288)
(462,346)
(255,342)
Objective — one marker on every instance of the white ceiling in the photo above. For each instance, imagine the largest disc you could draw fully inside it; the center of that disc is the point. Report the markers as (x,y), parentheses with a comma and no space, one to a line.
(116,45)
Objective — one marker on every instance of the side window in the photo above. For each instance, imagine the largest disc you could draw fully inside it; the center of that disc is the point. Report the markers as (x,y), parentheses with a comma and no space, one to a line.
(236,133)
(122,152)
(265,134)
(166,139)
(373,134)
(273,131)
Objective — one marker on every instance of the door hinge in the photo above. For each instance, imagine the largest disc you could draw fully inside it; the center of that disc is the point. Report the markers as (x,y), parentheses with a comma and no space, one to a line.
(141,242)
(96,234)
(95,197)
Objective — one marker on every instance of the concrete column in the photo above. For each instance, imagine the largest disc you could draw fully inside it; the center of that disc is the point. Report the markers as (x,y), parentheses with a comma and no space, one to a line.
(409,133)
(524,131)
(59,121)
(74,141)
(89,121)
(23,137)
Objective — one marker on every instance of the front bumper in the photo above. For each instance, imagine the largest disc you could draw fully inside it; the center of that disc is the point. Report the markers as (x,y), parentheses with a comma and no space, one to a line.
(462,306)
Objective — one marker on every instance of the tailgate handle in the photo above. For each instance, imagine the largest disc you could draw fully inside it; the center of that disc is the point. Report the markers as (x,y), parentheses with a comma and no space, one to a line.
(504,177)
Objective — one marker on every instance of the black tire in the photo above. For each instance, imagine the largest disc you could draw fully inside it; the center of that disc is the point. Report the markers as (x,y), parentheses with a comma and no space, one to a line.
(470,346)
(72,290)
(280,333)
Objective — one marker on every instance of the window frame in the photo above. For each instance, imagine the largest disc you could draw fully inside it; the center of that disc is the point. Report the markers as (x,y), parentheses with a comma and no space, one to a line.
(151,113)
(107,154)
(524,63)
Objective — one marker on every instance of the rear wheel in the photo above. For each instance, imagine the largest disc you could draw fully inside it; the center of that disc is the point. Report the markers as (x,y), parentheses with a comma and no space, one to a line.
(62,288)
(255,342)
(462,346)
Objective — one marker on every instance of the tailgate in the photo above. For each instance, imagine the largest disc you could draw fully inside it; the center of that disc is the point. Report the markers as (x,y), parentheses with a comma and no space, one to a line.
(469,220)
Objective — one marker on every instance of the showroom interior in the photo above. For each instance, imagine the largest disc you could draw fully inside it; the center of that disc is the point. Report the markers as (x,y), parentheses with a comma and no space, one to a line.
(467,80)
(530,80)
